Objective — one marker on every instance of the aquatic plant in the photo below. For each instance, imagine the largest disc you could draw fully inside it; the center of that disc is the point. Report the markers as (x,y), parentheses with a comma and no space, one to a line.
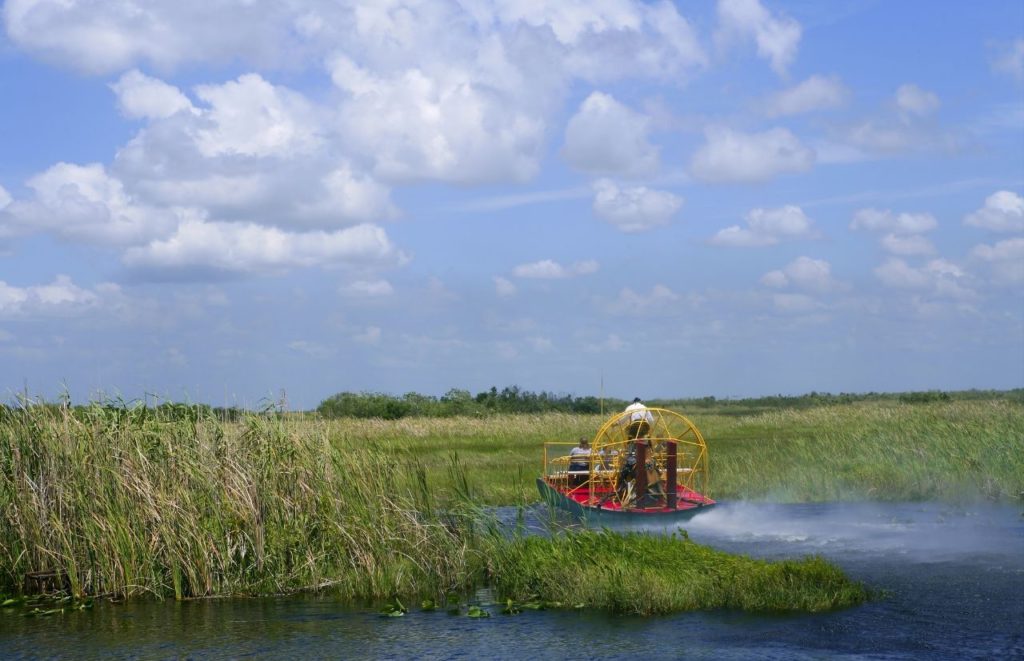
(646,574)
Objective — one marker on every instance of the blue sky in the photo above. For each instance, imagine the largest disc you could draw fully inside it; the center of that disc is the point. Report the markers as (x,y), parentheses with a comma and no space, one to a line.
(221,201)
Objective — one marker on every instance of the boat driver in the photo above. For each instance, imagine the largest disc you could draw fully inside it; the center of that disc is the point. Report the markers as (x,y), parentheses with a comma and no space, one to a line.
(638,418)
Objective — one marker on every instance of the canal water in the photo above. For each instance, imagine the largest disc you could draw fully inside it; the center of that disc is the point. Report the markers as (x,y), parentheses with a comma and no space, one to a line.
(951,584)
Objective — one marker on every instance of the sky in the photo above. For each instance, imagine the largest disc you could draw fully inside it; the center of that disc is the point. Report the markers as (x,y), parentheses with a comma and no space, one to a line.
(230,202)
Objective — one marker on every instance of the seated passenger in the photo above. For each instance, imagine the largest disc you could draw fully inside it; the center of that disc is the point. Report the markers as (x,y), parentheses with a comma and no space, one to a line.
(579,462)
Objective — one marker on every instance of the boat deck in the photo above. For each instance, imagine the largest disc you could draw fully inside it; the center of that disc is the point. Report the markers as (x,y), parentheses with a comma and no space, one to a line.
(602,498)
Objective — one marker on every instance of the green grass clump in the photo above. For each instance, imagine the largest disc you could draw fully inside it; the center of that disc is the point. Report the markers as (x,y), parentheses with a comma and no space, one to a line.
(648,574)
(128,504)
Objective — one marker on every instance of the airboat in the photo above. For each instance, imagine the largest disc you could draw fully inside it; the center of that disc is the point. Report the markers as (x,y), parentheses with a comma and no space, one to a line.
(654,468)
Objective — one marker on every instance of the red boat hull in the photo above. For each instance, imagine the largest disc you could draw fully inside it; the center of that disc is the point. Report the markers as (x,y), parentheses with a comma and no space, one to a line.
(600,505)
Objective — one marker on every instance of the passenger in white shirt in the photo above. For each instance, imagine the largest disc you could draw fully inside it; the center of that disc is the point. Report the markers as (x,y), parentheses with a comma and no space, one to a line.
(579,460)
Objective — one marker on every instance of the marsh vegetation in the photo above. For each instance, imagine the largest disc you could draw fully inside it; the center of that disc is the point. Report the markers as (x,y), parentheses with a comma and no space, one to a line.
(118,501)
(953,450)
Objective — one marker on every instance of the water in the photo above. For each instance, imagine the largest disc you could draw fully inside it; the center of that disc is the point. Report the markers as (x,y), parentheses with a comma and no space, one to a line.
(953,583)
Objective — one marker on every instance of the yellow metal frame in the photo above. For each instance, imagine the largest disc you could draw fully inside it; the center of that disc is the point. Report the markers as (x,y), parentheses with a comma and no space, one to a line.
(611,444)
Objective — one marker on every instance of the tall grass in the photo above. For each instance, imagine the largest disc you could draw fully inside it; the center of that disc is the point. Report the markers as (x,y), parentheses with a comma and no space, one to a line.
(127,504)
(880,450)
(954,451)
(501,454)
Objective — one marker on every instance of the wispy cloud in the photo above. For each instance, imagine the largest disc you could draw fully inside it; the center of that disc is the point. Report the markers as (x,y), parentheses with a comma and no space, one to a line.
(502,202)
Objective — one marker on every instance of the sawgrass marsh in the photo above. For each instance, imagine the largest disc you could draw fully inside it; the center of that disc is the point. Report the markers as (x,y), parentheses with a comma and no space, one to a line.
(120,502)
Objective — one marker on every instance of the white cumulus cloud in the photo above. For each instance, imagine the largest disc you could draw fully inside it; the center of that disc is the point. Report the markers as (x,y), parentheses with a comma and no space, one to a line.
(349,194)
(633,208)
(444,126)
(198,246)
(1011,59)
(913,100)
(796,303)
(884,220)
(442,91)
(592,40)
(105,37)
(60,297)
(85,203)
(606,137)
(368,289)
(1006,259)
(275,175)
(907,244)
(789,221)
(732,156)
(548,269)
(767,227)
(254,152)
(815,93)
(883,136)
(939,277)
(774,279)
(1003,212)
(504,287)
(660,298)
(903,126)
(777,37)
(897,273)
(142,97)
(803,273)
(251,117)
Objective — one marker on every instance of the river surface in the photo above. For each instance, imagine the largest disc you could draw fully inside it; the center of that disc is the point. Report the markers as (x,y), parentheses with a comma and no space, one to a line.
(951,578)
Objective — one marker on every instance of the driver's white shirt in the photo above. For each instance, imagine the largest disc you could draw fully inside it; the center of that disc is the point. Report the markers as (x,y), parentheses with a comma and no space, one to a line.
(637,411)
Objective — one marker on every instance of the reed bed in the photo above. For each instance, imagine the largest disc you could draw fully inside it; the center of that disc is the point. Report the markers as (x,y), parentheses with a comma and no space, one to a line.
(955,451)
(949,451)
(124,504)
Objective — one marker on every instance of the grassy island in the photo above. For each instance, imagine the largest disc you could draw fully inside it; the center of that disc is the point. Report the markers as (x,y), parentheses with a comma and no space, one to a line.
(120,501)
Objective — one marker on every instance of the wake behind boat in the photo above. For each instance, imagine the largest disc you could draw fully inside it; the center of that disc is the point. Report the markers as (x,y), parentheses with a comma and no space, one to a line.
(644,464)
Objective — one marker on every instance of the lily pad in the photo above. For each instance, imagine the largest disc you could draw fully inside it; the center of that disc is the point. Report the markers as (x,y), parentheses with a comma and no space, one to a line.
(393,609)
(476,611)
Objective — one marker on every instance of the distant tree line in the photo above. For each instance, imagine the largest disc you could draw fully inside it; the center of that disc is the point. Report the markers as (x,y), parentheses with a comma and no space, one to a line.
(748,405)
(512,399)
(458,402)
(455,402)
